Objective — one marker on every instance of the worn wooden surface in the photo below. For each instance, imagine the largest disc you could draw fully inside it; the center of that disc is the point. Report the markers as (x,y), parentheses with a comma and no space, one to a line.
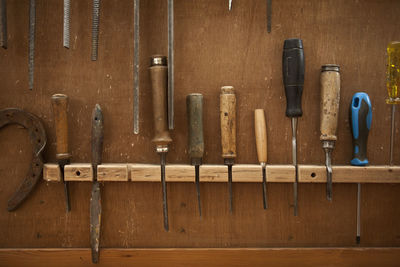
(214,47)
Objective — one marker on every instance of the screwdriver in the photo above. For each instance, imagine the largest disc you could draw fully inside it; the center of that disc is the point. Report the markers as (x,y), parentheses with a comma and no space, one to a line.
(393,84)
(330,97)
(227,107)
(261,142)
(293,80)
(360,122)
(158,75)
(194,107)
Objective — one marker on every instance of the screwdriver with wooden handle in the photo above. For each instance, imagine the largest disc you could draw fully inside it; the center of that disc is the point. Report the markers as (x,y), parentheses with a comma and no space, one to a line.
(261,142)
(360,122)
(158,75)
(194,107)
(330,98)
(293,80)
(60,107)
(227,106)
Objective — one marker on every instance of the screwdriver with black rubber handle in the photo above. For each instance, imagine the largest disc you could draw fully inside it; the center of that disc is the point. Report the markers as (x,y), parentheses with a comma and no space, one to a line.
(228,132)
(60,112)
(261,142)
(194,107)
(159,84)
(330,98)
(293,80)
(360,122)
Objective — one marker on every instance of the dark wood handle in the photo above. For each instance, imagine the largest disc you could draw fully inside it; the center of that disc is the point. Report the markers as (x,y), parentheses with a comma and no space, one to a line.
(228,121)
(60,111)
(194,106)
(159,78)
(260,128)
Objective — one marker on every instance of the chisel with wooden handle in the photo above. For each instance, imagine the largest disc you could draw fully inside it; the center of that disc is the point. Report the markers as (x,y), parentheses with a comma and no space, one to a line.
(60,111)
(260,128)
(227,106)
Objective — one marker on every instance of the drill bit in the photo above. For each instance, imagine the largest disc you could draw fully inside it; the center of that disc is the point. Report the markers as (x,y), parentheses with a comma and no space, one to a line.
(164,189)
(197,180)
(358,235)
(67,8)
(3,25)
(95,28)
(170,64)
(136,58)
(32,23)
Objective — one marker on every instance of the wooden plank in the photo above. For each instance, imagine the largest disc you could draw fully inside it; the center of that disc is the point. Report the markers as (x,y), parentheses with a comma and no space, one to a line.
(78,172)
(205,257)
(51,172)
(113,172)
(350,174)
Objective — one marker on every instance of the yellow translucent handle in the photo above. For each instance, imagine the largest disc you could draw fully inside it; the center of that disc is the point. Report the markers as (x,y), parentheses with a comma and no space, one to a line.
(393,73)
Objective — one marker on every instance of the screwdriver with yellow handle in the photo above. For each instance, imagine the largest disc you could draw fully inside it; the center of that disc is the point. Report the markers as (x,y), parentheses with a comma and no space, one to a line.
(393,84)
(260,129)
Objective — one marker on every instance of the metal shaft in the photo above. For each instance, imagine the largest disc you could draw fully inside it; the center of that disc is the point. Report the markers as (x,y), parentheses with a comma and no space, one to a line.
(294,157)
(197,173)
(66,186)
(171,64)
(392,134)
(95,28)
(230,187)
(136,41)
(269,14)
(328,164)
(358,237)
(67,8)
(264,183)
(95,221)
(32,22)
(3,25)
(164,190)
(230,5)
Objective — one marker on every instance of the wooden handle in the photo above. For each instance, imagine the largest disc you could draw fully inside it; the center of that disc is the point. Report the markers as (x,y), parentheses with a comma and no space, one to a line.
(330,97)
(261,135)
(194,106)
(159,78)
(228,121)
(60,108)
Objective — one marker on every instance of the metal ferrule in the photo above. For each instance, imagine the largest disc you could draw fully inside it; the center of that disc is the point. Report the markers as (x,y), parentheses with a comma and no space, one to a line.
(162,149)
(263,164)
(158,61)
(328,144)
(330,67)
(196,161)
(229,161)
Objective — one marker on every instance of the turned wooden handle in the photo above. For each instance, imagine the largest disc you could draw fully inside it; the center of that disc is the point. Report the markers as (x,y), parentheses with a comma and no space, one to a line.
(60,111)
(194,106)
(159,85)
(260,128)
(228,121)
(330,97)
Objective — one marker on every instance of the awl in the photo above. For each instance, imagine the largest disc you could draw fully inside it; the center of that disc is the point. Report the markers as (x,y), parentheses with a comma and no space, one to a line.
(260,129)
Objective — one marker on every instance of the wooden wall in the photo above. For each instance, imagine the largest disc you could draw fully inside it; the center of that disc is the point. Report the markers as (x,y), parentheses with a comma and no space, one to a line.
(214,47)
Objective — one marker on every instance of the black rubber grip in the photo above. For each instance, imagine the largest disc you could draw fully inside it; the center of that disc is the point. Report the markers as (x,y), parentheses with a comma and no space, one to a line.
(293,75)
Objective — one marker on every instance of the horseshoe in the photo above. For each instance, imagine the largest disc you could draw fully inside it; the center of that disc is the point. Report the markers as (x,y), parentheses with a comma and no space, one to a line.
(38,139)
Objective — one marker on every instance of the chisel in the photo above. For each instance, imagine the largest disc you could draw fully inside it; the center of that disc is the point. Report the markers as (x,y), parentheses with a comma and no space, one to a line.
(95,200)
(360,122)
(158,76)
(67,11)
(95,28)
(3,23)
(60,110)
(32,24)
(227,107)
(293,80)
(194,107)
(330,98)
(261,142)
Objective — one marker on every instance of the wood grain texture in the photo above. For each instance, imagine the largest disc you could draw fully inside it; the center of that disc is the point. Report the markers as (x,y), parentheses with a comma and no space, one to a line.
(51,172)
(60,111)
(227,111)
(78,172)
(260,129)
(113,172)
(205,257)
(213,47)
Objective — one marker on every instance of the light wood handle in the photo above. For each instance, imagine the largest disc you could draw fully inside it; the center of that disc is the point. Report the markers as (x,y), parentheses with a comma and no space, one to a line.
(159,79)
(228,121)
(60,111)
(260,128)
(330,97)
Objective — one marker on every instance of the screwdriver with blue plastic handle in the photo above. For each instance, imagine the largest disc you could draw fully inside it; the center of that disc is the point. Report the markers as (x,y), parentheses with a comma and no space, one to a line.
(293,80)
(360,121)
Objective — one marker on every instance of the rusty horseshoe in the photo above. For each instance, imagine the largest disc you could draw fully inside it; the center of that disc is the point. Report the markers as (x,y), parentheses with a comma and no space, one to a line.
(38,140)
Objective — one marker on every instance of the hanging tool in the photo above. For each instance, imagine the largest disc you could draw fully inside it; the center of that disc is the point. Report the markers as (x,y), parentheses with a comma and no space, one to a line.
(3,23)
(230,5)
(32,24)
(260,128)
(60,107)
(171,64)
(330,98)
(393,85)
(37,136)
(194,107)
(95,28)
(136,58)
(227,107)
(293,79)
(95,200)
(360,122)
(269,14)
(67,11)
(158,75)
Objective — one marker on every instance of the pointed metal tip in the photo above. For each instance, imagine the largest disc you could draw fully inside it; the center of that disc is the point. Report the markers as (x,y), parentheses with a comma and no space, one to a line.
(166,227)
(358,239)
(67,47)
